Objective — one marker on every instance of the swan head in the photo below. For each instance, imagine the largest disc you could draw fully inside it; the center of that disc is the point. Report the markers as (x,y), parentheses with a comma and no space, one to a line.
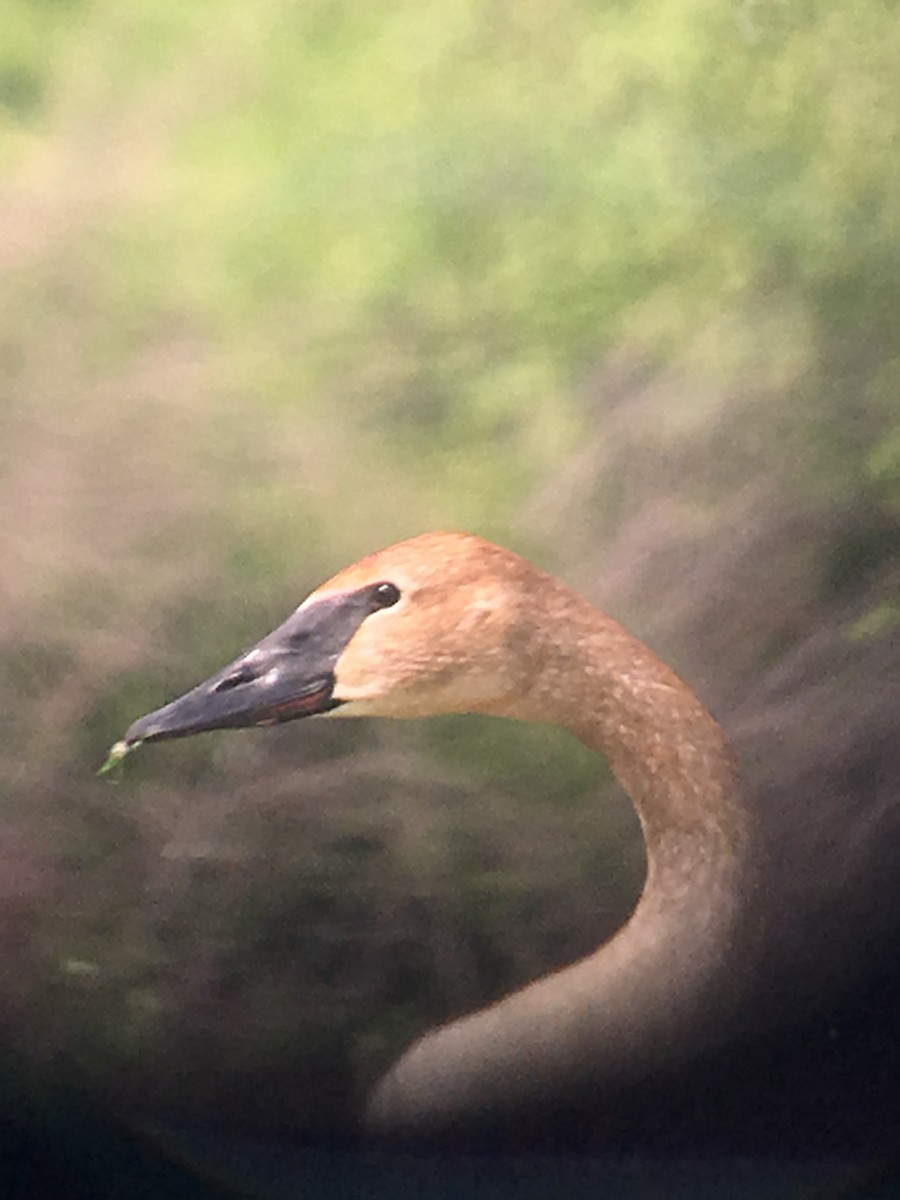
(431,625)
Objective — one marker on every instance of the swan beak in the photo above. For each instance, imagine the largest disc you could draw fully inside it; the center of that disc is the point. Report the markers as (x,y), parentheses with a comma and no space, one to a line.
(289,674)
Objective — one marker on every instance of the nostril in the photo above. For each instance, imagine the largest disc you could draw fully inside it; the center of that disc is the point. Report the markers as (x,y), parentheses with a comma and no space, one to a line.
(241,674)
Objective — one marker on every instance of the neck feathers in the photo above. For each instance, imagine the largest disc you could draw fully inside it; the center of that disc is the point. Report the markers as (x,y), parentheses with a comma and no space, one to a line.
(653,994)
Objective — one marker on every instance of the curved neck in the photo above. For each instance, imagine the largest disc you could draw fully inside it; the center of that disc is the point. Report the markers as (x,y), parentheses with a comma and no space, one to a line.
(664,988)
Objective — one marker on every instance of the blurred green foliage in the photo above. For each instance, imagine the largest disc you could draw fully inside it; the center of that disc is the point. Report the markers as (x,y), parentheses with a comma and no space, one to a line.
(437,217)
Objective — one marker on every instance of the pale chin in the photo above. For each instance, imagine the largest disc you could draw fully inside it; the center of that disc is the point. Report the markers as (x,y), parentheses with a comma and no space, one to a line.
(352,708)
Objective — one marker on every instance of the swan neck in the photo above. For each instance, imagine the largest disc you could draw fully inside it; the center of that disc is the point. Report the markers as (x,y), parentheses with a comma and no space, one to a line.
(670,980)
(670,755)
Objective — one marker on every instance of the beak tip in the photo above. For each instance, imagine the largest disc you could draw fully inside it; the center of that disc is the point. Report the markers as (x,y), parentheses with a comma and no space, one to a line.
(145,729)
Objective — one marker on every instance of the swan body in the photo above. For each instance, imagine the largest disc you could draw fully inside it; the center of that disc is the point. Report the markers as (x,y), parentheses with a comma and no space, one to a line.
(448,622)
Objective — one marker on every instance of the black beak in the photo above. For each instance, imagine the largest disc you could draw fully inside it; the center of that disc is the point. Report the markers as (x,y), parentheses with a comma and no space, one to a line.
(289,674)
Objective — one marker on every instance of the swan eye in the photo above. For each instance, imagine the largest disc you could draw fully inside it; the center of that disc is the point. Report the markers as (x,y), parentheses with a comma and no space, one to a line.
(385,595)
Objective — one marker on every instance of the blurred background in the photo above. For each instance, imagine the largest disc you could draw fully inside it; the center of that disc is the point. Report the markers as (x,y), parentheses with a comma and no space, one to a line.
(282,283)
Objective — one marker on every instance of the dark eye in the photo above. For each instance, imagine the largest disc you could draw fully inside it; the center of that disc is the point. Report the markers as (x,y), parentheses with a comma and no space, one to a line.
(385,594)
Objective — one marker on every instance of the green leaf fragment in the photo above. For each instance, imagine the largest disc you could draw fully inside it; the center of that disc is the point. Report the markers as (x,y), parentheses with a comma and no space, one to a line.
(116,754)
